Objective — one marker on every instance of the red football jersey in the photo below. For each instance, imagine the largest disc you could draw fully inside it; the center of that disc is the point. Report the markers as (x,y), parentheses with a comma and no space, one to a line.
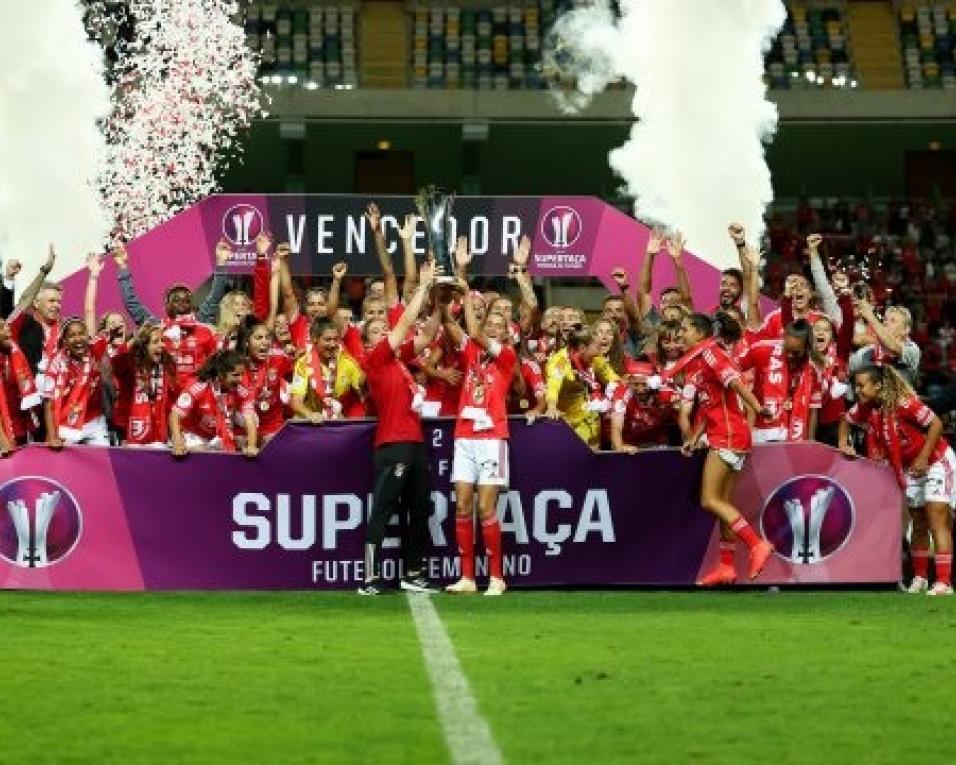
(265,385)
(711,372)
(393,390)
(912,418)
(485,385)
(208,412)
(76,386)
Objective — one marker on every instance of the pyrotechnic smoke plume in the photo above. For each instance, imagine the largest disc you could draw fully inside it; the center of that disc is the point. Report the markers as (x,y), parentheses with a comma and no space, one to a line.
(52,93)
(695,157)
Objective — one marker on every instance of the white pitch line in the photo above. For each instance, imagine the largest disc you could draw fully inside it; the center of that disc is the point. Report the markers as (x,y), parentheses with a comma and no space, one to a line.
(467,734)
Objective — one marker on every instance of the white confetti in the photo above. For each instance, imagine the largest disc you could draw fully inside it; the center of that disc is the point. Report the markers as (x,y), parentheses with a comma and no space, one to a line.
(185,87)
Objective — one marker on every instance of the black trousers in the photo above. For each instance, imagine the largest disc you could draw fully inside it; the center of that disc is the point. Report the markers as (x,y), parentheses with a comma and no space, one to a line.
(402,486)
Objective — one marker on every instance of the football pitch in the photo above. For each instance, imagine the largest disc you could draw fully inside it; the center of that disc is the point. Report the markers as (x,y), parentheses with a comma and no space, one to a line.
(803,677)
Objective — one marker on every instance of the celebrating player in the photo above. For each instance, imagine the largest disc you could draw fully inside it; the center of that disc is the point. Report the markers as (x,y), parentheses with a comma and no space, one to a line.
(481,439)
(73,390)
(907,432)
(207,410)
(145,374)
(402,482)
(708,367)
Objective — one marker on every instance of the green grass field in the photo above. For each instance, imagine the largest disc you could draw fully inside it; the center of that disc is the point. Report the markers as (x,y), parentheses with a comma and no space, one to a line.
(809,677)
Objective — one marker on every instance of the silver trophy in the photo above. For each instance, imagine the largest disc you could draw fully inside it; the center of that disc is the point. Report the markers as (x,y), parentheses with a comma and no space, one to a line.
(32,553)
(434,205)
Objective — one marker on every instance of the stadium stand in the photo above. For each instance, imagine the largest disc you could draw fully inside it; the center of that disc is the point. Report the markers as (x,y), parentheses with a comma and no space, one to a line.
(928,39)
(482,47)
(811,50)
(310,44)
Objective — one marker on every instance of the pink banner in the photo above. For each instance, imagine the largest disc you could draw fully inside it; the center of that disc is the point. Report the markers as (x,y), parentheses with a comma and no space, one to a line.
(126,519)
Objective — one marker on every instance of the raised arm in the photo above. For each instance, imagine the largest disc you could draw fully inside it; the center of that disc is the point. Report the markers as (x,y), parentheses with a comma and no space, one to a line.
(644,302)
(675,248)
(751,257)
(407,234)
(134,306)
(10,270)
(429,331)
(631,309)
(339,270)
(275,267)
(374,217)
(426,278)
(94,264)
(889,341)
(33,289)
(290,303)
(828,298)
(209,310)
(519,270)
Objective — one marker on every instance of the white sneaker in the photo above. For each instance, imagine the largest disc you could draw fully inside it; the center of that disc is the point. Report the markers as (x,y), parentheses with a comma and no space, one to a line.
(918,585)
(462,587)
(496,587)
(940,589)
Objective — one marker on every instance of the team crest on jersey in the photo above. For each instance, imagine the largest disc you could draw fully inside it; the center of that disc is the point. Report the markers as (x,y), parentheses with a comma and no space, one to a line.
(137,428)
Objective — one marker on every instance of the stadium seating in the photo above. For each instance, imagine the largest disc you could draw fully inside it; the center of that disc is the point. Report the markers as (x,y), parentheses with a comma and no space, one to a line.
(811,50)
(482,48)
(928,37)
(310,44)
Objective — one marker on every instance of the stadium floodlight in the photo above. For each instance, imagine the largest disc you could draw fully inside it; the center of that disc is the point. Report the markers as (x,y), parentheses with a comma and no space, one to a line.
(292,79)
(311,85)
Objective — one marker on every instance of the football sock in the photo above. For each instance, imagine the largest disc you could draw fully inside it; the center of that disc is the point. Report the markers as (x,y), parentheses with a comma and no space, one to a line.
(491,534)
(920,557)
(745,532)
(727,553)
(465,536)
(944,567)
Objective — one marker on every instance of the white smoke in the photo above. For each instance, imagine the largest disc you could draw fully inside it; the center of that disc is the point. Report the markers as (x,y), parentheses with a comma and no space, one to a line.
(694,161)
(52,93)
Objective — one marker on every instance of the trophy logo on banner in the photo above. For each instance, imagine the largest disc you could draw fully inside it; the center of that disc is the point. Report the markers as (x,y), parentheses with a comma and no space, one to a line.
(434,206)
(808,519)
(561,227)
(40,522)
(242,224)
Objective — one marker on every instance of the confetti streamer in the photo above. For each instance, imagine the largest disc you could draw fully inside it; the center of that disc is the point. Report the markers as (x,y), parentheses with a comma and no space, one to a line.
(185,86)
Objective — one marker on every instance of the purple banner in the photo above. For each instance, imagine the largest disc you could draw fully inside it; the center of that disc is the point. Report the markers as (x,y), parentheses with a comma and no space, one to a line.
(571,237)
(126,519)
